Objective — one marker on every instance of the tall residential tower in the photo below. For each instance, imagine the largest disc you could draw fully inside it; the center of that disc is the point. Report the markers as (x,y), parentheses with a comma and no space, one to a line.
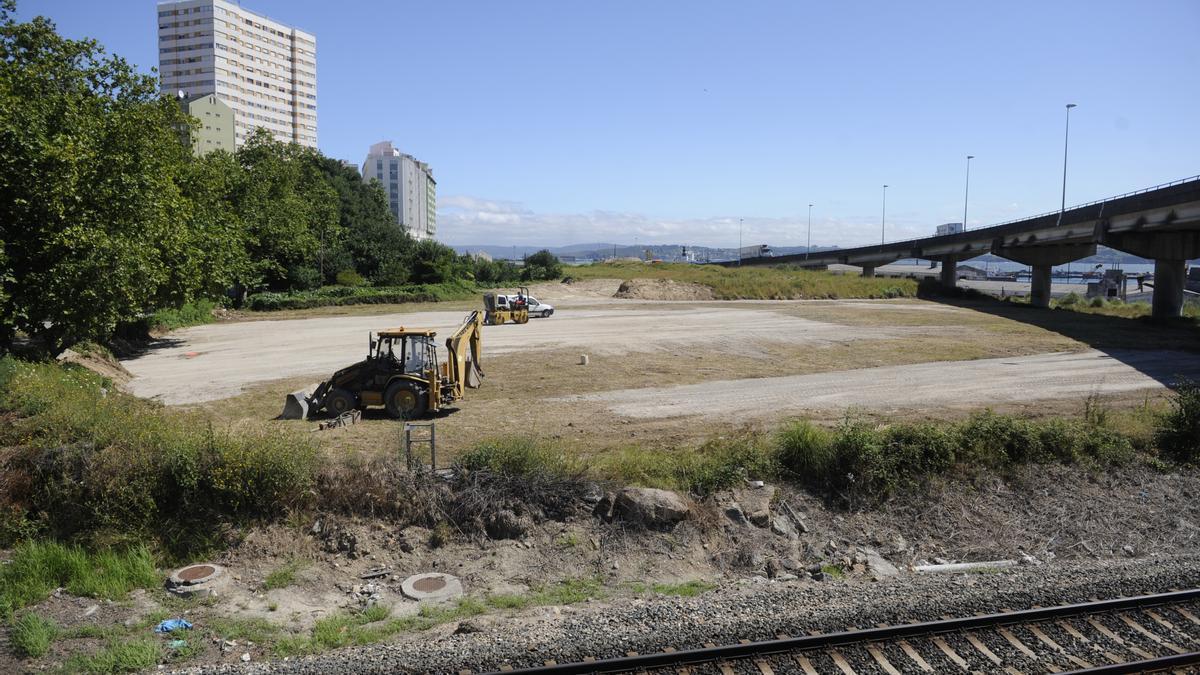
(265,71)
(410,187)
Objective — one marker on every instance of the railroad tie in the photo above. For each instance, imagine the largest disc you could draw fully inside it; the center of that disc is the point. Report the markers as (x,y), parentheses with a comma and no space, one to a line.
(1017,644)
(916,657)
(1188,615)
(1103,630)
(880,659)
(764,667)
(1112,658)
(950,653)
(840,661)
(1144,631)
(1046,640)
(1166,623)
(983,649)
(805,664)
(505,667)
(726,669)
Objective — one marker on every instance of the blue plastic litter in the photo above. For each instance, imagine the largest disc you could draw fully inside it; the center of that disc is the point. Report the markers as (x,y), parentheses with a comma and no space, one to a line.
(171,625)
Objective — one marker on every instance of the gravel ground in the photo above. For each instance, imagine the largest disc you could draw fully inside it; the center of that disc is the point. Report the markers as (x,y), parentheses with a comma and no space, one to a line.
(755,611)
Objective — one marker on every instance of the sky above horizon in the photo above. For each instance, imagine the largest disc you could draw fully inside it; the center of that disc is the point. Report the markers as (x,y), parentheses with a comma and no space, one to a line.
(553,123)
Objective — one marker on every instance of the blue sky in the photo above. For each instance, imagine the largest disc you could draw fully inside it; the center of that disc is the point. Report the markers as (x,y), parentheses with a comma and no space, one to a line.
(555,122)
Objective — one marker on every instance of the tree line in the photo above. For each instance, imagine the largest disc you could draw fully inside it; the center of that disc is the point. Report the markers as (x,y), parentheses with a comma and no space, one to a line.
(105,214)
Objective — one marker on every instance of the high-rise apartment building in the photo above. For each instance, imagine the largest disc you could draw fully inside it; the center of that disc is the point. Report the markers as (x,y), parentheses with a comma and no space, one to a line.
(265,71)
(410,188)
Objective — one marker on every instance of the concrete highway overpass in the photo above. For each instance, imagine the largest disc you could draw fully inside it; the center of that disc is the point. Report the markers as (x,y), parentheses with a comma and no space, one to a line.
(1160,223)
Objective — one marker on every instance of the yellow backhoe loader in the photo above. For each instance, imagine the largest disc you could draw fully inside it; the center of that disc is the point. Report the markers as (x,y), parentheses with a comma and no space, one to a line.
(401,373)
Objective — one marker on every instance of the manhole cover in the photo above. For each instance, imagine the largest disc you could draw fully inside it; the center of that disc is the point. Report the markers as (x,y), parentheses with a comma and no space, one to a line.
(432,586)
(429,584)
(196,572)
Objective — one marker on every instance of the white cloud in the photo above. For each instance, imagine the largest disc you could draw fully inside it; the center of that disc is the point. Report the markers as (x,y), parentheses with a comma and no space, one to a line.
(464,220)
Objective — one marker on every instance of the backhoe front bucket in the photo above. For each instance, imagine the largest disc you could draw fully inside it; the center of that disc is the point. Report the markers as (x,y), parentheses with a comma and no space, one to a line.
(474,375)
(297,405)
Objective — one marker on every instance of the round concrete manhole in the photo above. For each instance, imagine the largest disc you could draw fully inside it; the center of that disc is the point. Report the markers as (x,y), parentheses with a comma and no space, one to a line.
(200,579)
(432,586)
(196,573)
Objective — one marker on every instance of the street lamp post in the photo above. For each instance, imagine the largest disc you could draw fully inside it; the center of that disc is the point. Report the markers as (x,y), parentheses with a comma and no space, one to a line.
(808,247)
(883,219)
(967,191)
(1066,139)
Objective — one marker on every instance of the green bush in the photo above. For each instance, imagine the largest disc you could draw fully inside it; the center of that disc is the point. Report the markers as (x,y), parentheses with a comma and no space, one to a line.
(519,457)
(190,314)
(1097,302)
(1178,434)
(541,266)
(350,278)
(804,449)
(31,635)
(1069,300)
(93,460)
(347,295)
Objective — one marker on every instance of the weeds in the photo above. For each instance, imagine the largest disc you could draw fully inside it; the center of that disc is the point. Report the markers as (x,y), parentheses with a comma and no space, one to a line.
(687,589)
(190,314)
(31,635)
(37,568)
(284,576)
(118,657)
(1178,436)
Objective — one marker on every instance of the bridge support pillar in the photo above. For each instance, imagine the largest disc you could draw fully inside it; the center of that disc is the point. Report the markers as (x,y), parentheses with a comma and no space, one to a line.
(1168,288)
(868,270)
(1039,288)
(1170,251)
(949,274)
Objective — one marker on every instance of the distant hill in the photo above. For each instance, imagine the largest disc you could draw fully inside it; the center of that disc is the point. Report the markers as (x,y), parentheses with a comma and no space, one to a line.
(601,251)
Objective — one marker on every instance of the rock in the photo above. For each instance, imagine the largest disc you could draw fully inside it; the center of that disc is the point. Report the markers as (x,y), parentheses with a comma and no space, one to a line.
(465,627)
(786,577)
(734,512)
(774,568)
(246,657)
(90,611)
(782,526)
(651,507)
(880,568)
(756,504)
(791,564)
(506,524)
(1128,550)
(592,493)
(604,507)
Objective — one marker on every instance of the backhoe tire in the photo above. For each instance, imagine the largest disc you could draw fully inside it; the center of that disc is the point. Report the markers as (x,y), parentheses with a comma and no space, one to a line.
(338,401)
(405,400)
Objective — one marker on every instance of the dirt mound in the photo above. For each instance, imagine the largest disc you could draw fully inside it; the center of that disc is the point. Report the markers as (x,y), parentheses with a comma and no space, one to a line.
(663,289)
(98,360)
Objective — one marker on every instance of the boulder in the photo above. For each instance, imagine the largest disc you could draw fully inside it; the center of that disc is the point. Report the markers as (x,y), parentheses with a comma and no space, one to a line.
(879,566)
(651,507)
(782,526)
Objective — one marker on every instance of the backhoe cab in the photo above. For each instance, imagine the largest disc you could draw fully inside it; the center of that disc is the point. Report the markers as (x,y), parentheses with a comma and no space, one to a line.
(501,308)
(401,373)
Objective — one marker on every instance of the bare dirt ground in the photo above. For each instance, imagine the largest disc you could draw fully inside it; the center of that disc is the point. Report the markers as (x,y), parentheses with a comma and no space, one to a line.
(925,385)
(660,369)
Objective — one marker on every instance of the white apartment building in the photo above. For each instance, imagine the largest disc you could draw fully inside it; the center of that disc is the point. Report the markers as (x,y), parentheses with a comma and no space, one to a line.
(265,71)
(410,188)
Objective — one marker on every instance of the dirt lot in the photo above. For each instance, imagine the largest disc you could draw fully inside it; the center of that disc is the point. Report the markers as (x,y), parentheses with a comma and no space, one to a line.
(660,369)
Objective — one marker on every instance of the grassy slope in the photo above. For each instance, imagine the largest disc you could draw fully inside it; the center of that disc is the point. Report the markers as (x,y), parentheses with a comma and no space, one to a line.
(754,283)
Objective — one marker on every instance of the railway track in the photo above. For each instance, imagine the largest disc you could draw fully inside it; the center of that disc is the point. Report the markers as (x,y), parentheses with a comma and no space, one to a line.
(1151,633)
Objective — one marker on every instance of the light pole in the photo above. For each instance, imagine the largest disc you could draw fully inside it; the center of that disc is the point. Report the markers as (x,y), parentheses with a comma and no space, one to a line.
(1066,140)
(967,191)
(883,219)
(808,247)
(739,252)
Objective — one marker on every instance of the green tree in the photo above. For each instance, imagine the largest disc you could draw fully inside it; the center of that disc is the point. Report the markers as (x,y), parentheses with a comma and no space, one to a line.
(541,266)
(95,228)
(372,242)
(289,209)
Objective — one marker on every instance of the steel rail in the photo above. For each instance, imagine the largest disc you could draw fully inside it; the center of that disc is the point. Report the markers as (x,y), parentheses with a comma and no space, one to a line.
(827,640)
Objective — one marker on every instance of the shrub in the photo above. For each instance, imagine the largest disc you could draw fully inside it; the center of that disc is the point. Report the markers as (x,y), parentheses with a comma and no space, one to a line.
(346,295)
(93,460)
(350,278)
(31,635)
(1069,300)
(190,314)
(518,457)
(1178,434)
(1097,302)
(541,266)
(804,449)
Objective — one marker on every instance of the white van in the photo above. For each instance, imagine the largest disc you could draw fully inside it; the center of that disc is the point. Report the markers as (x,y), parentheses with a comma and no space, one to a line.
(538,308)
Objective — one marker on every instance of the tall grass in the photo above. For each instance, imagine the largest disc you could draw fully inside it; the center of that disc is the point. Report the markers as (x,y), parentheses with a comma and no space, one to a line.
(190,314)
(758,283)
(37,568)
